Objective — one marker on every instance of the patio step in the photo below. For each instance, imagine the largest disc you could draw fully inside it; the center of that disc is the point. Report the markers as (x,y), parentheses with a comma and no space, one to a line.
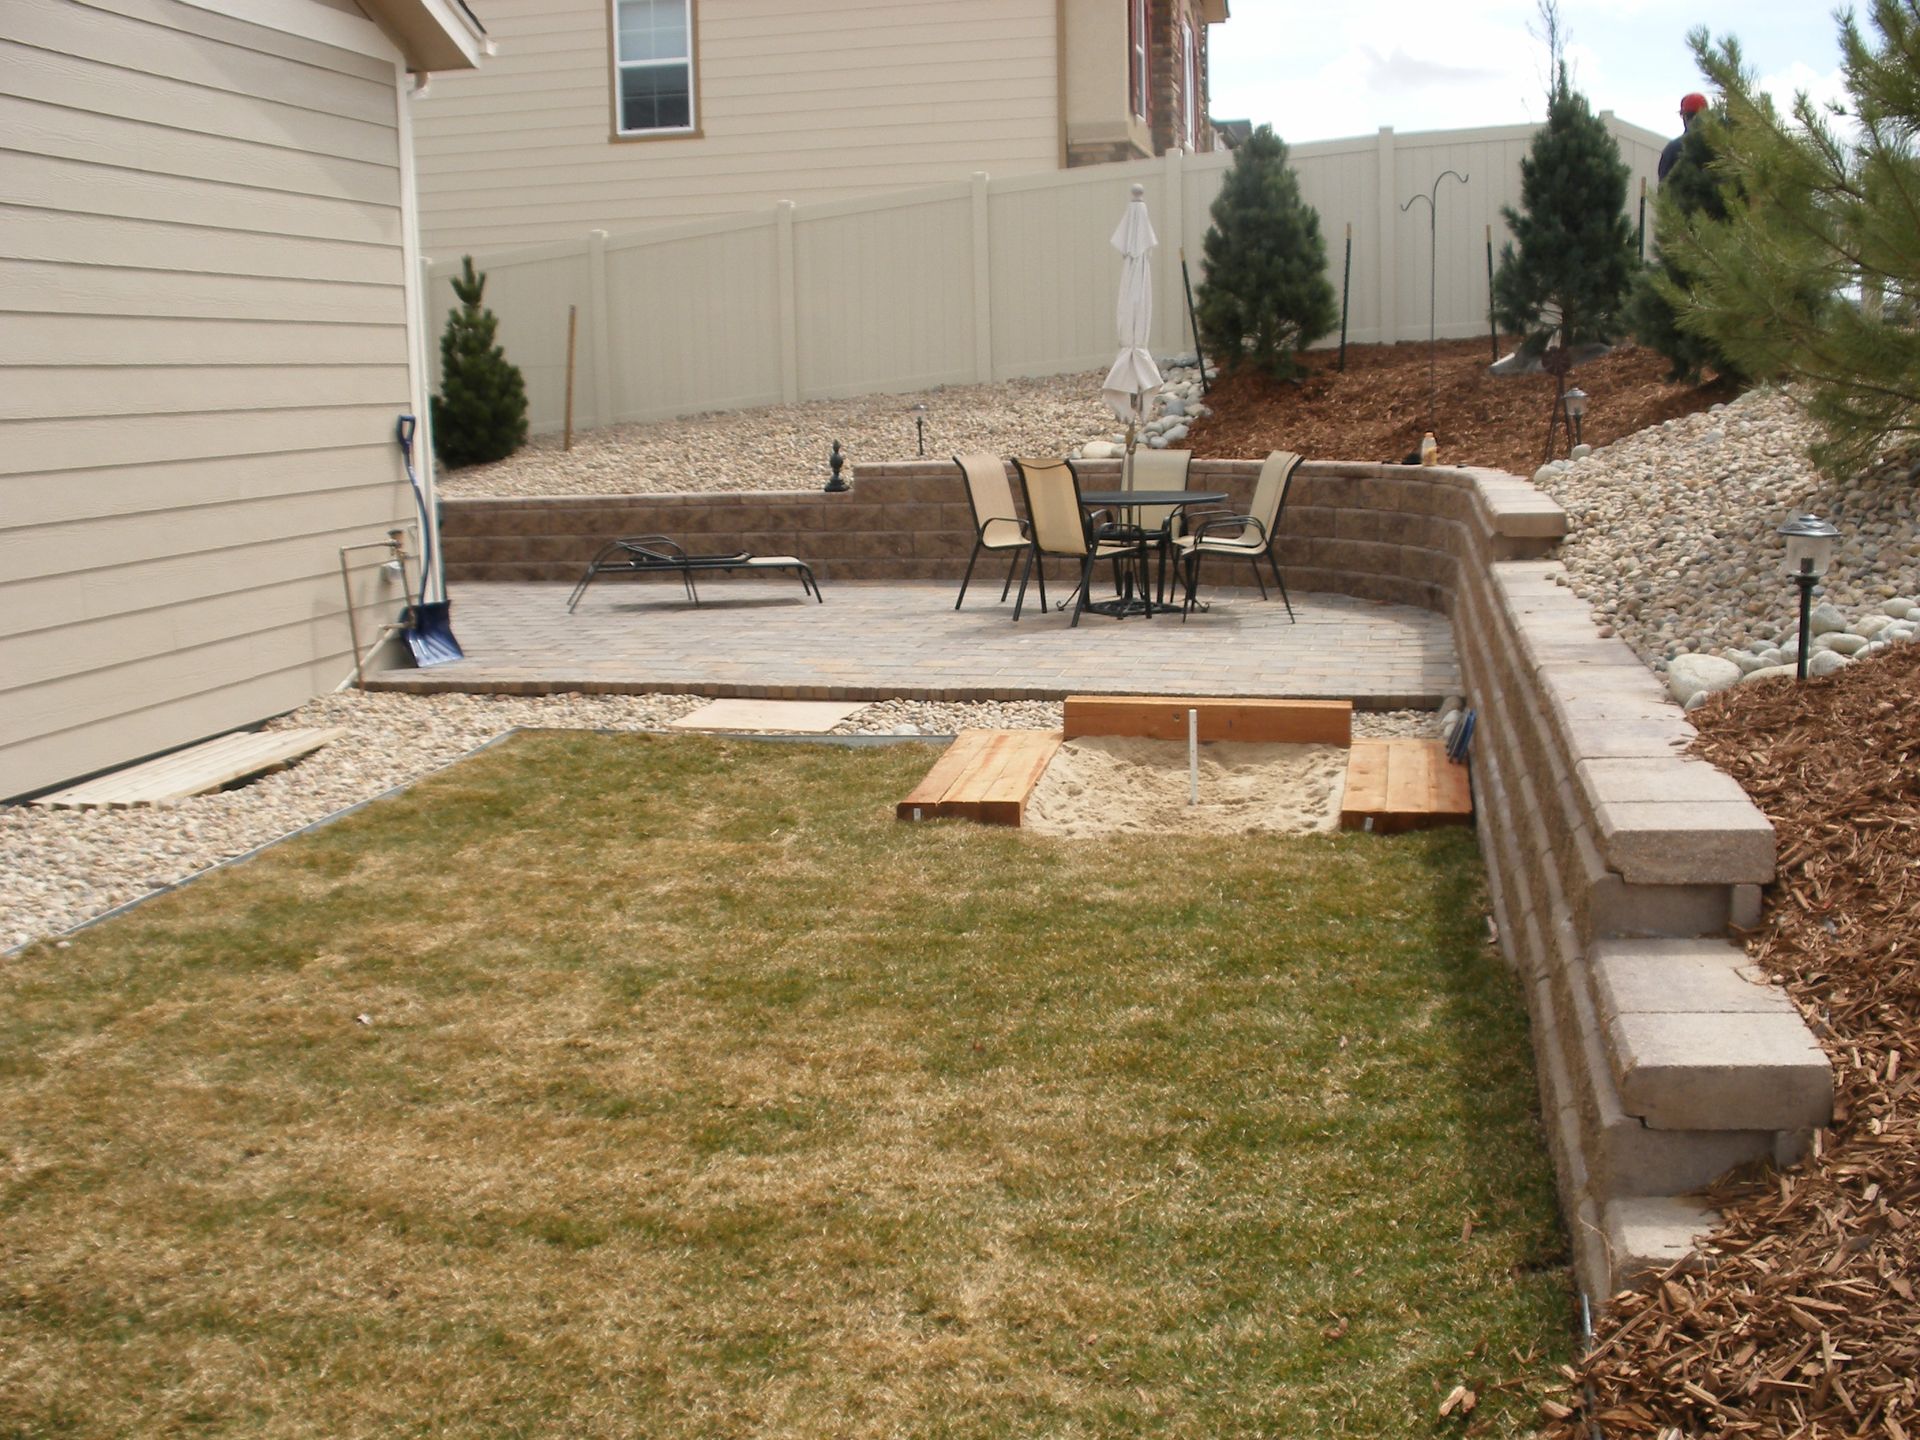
(193,771)
(1164,717)
(985,775)
(1404,784)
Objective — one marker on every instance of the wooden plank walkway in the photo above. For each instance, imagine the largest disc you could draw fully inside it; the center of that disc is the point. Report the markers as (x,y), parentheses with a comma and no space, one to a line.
(1164,717)
(1404,785)
(985,775)
(193,771)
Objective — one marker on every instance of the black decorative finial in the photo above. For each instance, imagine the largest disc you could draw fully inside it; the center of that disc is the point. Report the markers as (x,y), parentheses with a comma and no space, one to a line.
(838,484)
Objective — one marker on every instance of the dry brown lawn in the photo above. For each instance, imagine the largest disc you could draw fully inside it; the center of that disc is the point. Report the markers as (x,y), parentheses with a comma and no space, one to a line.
(639,1087)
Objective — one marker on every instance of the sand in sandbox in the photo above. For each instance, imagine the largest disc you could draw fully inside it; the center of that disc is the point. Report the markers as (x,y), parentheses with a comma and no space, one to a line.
(1109,785)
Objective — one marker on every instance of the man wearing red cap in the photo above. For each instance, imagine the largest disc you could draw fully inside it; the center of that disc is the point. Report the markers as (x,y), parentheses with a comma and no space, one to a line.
(1690,106)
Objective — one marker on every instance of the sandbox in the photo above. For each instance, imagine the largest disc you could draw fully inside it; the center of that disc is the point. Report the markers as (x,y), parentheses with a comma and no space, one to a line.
(1241,766)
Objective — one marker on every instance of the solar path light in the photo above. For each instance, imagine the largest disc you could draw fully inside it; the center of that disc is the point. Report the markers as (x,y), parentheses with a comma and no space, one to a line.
(1576,402)
(1809,553)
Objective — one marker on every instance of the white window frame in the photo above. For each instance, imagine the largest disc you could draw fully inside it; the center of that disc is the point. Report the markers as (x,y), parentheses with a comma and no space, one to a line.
(1189,85)
(689,60)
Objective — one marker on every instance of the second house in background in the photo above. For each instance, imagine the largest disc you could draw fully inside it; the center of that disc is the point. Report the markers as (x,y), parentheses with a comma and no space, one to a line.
(623,115)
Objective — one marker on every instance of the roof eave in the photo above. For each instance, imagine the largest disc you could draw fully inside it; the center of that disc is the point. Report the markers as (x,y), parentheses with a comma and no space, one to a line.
(433,34)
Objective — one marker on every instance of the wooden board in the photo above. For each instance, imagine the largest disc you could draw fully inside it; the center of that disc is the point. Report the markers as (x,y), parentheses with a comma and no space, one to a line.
(1404,785)
(923,802)
(193,771)
(996,794)
(985,776)
(1164,717)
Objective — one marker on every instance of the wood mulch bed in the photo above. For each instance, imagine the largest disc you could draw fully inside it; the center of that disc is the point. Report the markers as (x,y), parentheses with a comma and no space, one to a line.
(1377,408)
(1805,1322)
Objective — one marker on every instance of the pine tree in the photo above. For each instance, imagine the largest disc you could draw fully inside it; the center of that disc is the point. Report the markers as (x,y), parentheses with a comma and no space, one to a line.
(1815,272)
(1660,292)
(1572,254)
(1266,296)
(480,413)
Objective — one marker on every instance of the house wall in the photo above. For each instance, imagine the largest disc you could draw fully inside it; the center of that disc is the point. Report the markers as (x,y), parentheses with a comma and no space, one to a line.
(795,101)
(203,260)
(1168,86)
(1099,122)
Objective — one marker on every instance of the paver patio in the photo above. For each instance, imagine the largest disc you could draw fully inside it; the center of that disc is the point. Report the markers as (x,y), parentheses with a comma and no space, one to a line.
(877,640)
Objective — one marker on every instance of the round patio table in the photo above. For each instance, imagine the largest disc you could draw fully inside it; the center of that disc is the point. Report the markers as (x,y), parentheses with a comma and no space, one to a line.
(1144,603)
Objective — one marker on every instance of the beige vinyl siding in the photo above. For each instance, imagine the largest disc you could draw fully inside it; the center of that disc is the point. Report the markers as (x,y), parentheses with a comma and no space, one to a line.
(805,100)
(203,346)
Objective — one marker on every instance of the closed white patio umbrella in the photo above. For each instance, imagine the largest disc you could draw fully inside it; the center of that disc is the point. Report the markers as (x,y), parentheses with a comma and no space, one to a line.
(1134,378)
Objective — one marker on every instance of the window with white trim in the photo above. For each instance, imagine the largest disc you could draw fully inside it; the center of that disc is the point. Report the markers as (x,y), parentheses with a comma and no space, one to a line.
(653,67)
(1138,51)
(1190,87)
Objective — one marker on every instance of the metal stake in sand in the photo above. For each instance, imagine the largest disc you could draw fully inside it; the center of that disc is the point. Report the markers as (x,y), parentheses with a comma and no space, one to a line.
(1193,757)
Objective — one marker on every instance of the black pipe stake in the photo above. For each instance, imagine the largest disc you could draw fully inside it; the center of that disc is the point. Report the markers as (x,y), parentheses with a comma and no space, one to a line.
(1553,417)
(1642,242)
(1193,322)
(1493,325)
(1346,278)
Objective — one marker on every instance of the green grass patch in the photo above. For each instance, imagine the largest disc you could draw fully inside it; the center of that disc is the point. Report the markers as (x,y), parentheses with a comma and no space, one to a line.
(696,1096)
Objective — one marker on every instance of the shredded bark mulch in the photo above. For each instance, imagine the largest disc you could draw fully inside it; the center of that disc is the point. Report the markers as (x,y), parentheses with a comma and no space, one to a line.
(1378,408)
(1805,1321)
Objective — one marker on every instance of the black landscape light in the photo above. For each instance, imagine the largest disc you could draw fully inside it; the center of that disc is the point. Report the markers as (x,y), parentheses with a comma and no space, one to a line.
(1809,553)
(836,483)
(920,427)
(1576,402)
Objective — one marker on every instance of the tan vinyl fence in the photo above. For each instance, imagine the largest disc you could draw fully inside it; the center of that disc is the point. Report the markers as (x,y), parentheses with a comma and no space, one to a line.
(972,282)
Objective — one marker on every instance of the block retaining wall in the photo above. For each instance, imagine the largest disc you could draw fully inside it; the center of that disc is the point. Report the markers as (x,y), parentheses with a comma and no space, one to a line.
(1615,862)
(1381,532)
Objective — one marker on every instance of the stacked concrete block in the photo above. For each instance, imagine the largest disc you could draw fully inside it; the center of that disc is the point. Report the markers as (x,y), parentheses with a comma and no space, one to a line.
(1381,532)
(1619,863)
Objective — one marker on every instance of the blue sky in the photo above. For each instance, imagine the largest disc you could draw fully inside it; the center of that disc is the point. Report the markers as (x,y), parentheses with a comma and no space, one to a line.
(1317,71)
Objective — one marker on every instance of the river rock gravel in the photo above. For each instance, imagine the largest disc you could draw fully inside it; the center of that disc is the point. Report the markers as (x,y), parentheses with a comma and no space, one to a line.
(59,868)
(1672,535)
(786,447)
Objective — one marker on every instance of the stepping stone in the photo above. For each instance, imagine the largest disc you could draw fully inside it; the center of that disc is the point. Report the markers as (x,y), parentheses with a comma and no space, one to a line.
(769,717)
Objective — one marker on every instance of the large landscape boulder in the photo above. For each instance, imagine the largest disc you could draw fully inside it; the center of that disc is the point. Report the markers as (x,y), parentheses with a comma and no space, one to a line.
(1689,676)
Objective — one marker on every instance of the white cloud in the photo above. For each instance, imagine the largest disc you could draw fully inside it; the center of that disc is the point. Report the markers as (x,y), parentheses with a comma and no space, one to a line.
(1821,89)
(1421,65)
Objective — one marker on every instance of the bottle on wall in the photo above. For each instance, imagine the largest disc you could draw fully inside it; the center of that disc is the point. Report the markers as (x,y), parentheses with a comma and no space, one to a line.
(1429,451)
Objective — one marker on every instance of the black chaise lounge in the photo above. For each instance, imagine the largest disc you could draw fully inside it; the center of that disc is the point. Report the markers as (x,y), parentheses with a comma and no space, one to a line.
(657,555)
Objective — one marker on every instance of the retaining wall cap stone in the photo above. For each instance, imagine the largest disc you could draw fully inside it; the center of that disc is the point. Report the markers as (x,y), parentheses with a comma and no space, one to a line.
(1683,779)
(1650,1234)
(1681,977)
(1686,842)
(1722,1071)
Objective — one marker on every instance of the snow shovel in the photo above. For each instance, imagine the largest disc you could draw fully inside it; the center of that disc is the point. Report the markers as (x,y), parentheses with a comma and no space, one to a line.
(427,626)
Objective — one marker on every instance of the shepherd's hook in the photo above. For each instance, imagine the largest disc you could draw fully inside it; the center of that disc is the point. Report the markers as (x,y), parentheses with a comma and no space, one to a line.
(1432,197)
